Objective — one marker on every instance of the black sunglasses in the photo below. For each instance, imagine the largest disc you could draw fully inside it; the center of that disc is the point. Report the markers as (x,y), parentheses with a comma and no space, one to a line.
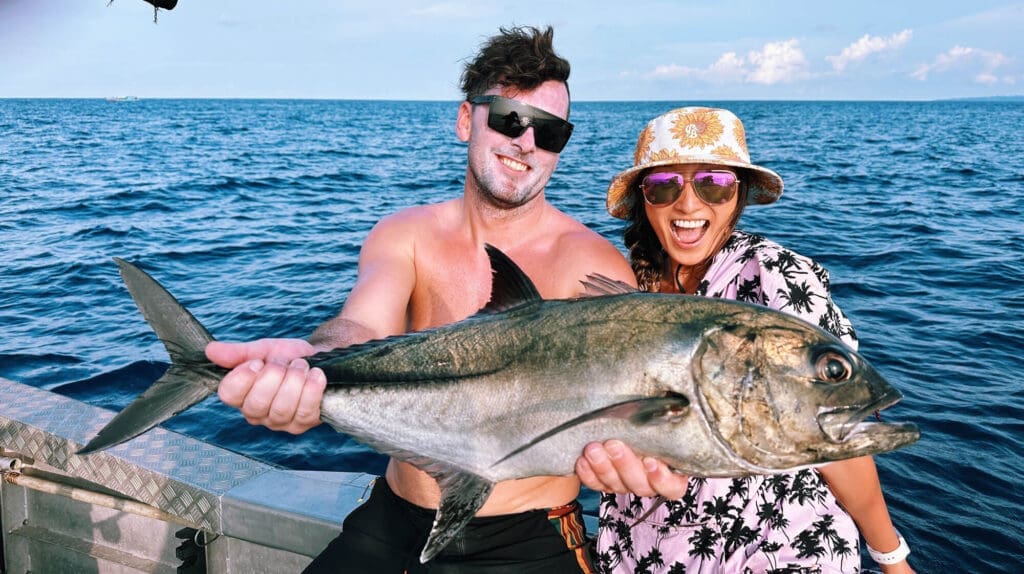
(511,118)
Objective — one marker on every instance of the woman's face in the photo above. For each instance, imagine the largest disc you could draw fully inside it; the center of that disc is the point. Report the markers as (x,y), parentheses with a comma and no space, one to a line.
(690,229)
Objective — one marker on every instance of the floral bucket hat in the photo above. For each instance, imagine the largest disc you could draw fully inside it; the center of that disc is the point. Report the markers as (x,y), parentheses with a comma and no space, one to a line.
(693,135)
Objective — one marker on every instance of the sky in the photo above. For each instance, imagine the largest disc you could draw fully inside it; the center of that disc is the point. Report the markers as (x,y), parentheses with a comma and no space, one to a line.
(619,49)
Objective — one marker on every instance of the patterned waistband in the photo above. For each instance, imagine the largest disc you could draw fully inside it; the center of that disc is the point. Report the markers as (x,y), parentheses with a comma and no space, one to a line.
(560,511)
(568,520)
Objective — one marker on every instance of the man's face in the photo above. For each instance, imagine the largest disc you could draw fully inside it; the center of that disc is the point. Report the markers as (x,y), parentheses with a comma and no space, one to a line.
(508,172)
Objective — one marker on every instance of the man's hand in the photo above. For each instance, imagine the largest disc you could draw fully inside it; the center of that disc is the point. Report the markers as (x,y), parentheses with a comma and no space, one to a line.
(614,467)
(270,382)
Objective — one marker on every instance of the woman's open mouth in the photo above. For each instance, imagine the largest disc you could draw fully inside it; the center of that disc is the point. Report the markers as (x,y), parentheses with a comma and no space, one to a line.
(689,231)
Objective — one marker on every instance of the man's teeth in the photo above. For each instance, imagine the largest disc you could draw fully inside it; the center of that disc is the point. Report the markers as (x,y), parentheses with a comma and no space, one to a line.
(689,224)
(513,164)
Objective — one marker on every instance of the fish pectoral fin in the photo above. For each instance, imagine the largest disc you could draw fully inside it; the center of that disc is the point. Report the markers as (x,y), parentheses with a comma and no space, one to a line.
(462,495)
(642,412)
(654,411)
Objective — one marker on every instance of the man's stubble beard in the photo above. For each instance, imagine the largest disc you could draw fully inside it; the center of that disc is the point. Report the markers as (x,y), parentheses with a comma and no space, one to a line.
(485,182)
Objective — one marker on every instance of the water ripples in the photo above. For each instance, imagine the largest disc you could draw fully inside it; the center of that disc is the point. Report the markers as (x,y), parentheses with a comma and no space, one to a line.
(253,213)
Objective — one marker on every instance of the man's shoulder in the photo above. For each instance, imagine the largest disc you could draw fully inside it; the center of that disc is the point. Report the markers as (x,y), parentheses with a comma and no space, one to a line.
(414,219)
(420,212)
(568,226)
(575,237)
(582,251)
(585,242)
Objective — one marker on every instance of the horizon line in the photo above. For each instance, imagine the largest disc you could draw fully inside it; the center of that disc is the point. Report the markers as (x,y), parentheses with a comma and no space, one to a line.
(120,99)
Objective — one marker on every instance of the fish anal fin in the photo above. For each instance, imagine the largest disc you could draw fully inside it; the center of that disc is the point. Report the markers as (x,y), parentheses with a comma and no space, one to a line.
(641,412)
(462,495)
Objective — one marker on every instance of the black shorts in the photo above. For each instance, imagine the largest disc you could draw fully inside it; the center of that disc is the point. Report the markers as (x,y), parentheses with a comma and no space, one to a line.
(387,533)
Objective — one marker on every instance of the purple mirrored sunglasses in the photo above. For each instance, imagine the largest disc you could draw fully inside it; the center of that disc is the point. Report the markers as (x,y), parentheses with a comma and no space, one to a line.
(711,186)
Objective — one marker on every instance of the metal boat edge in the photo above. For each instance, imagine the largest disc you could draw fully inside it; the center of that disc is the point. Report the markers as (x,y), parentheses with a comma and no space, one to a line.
(141,506)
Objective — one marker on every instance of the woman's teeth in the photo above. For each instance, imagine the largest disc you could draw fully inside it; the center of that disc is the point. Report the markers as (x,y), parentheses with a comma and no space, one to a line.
(689,223)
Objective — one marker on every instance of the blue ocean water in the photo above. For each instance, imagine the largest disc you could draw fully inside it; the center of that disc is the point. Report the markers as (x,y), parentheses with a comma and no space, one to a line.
(252,213)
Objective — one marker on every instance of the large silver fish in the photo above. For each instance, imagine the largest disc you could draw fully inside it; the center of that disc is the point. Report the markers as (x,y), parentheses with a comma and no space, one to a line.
(713,387)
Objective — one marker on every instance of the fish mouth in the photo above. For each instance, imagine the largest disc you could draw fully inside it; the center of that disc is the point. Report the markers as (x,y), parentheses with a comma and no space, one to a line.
(843,424)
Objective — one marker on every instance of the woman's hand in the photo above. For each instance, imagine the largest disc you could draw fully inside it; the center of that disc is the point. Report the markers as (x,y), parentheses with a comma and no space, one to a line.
(613,467)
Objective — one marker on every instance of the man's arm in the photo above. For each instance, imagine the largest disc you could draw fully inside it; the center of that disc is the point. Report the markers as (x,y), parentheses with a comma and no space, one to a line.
(273,385)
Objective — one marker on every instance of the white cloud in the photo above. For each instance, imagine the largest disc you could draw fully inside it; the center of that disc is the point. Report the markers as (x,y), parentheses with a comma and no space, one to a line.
(675,71)
(985,65)
(866,46)
(776,62)
(728,67)
(921,73)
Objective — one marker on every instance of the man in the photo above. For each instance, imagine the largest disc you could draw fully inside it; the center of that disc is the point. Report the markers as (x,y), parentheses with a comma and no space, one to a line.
(425,266)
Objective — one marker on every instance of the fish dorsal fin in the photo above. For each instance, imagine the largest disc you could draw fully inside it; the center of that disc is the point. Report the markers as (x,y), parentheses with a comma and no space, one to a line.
(641,412)
(596,285)
(428,354)
(510,287)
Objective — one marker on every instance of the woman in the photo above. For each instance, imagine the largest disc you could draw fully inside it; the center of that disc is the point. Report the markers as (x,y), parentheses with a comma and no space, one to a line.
(683,197)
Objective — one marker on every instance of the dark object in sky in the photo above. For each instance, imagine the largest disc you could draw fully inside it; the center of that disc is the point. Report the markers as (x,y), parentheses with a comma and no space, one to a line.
(157,5)
(165,4)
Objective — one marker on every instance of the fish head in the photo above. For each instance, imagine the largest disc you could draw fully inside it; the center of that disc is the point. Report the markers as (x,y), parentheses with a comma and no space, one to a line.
(781,394)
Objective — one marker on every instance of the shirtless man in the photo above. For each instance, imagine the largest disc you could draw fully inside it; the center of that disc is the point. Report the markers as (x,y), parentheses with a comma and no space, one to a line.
(425,266)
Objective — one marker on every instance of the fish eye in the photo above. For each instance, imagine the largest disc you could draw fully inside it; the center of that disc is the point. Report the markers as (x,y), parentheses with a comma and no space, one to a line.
(833,367)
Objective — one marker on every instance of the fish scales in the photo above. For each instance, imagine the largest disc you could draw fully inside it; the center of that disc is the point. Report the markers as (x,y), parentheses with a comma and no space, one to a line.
(714,387)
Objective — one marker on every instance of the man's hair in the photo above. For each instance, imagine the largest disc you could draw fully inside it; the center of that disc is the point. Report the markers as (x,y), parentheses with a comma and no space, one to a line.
(521,57)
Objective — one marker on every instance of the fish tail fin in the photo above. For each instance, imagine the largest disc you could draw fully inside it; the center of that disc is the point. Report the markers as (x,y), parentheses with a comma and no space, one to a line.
(190,378)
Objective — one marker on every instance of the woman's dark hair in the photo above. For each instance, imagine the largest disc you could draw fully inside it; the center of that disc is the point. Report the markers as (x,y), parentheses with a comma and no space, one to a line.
(520,57)
(646,255)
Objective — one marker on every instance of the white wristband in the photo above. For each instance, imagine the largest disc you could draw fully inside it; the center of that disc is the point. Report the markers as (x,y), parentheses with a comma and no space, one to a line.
(898,555)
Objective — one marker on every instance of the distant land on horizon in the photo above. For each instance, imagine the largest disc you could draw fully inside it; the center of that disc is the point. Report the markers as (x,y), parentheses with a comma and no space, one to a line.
(1018,98)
